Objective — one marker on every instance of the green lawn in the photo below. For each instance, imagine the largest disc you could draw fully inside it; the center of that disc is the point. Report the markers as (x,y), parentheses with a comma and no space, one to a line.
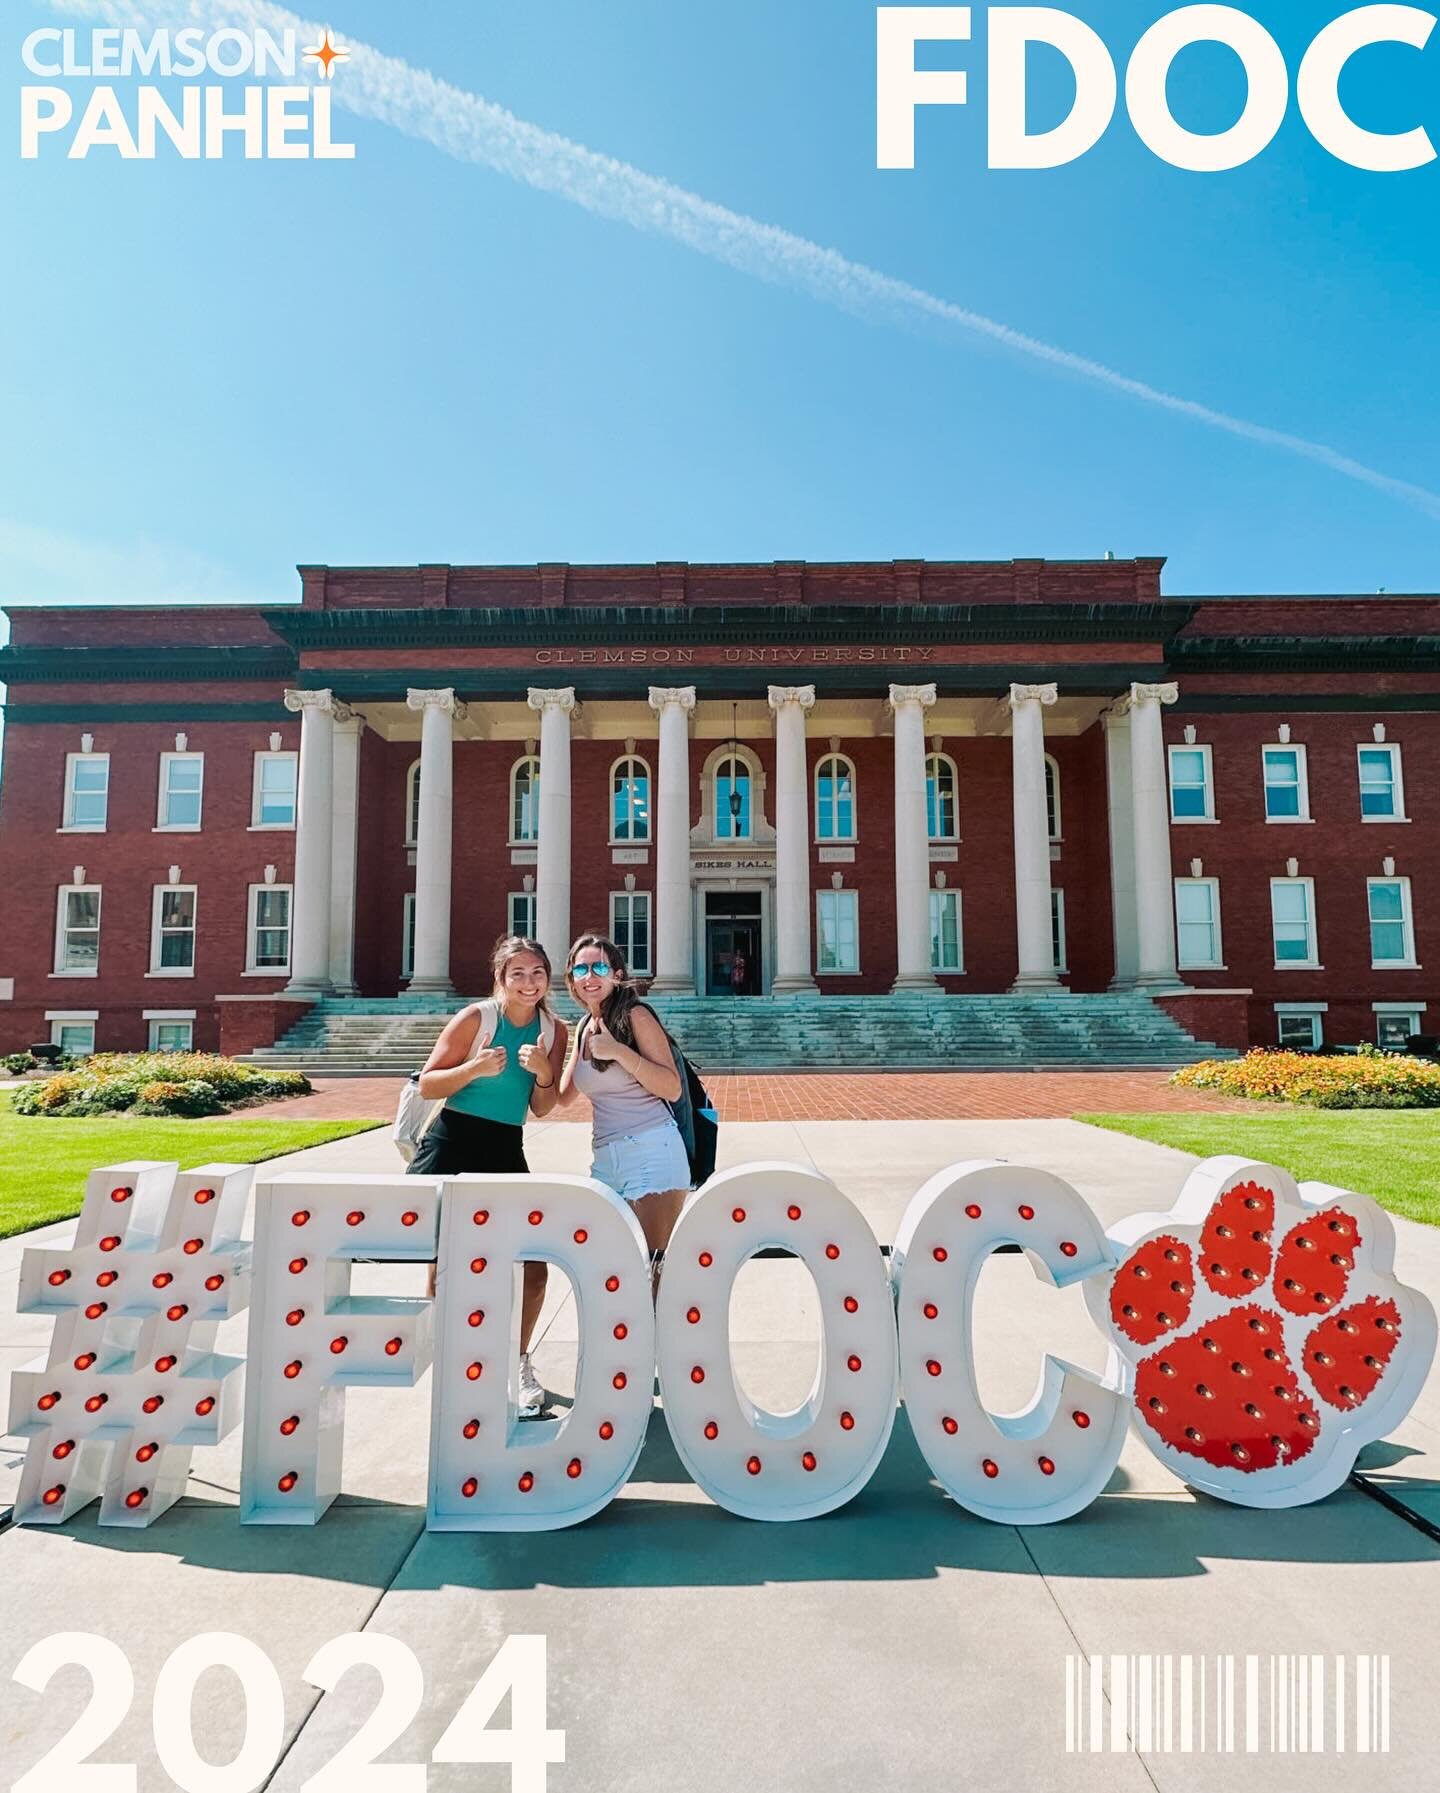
(1392,1155)
(44,1163)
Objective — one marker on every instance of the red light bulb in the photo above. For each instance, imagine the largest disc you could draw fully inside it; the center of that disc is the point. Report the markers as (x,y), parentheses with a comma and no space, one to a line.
(480,1216)
(63,1450)
(152,1403)
(295,1316)
(292,1369)
(165,1363)
(973,1209)
(95,1403)
(469,1487)
(950,1425)
(852,1306)
(191,1246)
(205,1406)
(697,1374)
(354,1217)
(612,1284)
(852,1362)
(535,1217)
(693,1315)
(622,1331)
(832,1252)
(409,1217)
(178,1312)
(792,1212)
(163,1280)
(137,1497)
(392,1347)
(991,1468)
(940,1254)
(1081,1419)
(109,1242)
(737,1215)
(146,1452)
(477,1318)
(84,1360)
(706,1260)
(289,1426)
(1046,1466)
(204,1195)
(95,1309)
(52,1495)
(337,1345)
(473,1371)
(57,1277)
(121,1195)
(606,1429)
(930,1311)
(932,1368)
(106,1277)
(712,1431)
(1069,1247)
(618,1380)
(752,1464)
(287,1481)
(573,1469)
(1026,1211)
(526,1482)
(213,1282)
(297,1265)
(46,1402)
(477,1266)
(847,1422)
(300,1217)
(471,1428)
(808,1460)
(581,1235)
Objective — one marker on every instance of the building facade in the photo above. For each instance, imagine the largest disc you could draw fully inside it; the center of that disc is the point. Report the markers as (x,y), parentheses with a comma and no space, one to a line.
(761,780)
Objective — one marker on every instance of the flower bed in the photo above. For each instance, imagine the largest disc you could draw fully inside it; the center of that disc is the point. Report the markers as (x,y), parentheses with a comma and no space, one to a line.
(1369,1079)
(178,1083)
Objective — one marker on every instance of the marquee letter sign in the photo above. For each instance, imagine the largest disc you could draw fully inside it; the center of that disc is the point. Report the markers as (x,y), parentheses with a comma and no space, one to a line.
(1257,1336)
(1262,1334)
(131,1381)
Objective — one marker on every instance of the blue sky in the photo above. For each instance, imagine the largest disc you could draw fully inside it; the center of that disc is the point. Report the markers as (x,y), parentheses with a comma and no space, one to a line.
(213,371)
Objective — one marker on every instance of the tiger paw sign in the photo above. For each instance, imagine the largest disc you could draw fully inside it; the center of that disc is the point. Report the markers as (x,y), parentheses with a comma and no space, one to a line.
(1258,1338)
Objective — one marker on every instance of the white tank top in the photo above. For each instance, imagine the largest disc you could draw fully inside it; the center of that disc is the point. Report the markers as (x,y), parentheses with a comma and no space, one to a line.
(622,1104)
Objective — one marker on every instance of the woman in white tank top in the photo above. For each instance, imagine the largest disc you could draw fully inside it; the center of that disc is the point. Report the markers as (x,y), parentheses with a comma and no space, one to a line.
(624,1065)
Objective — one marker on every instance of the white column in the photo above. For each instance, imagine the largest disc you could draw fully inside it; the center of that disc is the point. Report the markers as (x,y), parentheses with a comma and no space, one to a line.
(310,922)
(908,704)
(430,967)
(1121,814)
(1032,838)
(674,968)
(344,830)
(552,871)
(1154,886)
(792,841)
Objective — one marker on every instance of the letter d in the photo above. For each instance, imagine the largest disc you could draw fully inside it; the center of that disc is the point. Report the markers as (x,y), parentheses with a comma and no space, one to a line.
(33,120)
(1012,29)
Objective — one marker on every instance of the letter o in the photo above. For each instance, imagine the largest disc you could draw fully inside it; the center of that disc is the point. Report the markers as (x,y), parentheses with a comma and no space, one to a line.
(1265,101)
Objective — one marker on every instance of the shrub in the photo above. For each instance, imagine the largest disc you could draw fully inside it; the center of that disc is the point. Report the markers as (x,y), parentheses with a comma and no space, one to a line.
(18,1063)
(182,1083)
(1371,1079)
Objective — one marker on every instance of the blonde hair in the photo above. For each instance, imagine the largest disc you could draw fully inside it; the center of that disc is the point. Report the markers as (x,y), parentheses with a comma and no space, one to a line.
(510,946)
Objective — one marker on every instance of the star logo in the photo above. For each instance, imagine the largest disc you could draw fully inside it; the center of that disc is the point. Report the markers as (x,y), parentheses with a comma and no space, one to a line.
(327,55)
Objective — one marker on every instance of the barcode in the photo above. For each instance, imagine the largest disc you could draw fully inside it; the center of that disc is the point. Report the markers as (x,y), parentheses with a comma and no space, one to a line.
(1280,1705)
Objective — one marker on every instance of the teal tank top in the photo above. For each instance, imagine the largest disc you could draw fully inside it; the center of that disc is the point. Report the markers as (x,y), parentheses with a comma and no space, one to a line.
(505,1098)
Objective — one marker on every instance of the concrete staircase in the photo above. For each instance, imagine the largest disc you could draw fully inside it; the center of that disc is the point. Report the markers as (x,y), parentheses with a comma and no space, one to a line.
(378,1037)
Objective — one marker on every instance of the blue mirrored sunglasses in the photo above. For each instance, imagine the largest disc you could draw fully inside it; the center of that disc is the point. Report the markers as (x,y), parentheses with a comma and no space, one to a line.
(600,967)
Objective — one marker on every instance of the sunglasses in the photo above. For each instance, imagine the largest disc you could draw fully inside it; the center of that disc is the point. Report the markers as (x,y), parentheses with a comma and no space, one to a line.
(600,967)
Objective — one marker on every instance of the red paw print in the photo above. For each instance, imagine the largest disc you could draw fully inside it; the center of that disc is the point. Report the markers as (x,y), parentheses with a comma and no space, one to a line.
(1263,1333)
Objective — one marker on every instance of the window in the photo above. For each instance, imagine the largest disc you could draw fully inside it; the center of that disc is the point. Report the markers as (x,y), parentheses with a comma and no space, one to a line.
(77,931)
(525,800)
(412,805)
(273,801)
(1292,917)
(946,942)
(630,928)
(1300,1029)
(1382,792)
(733,817)
(269,928)
(75,1037)
(1057,929)
(1052,796)
(87,791)
(1287,795)
(835,798)
(172,931)
(407,937)
(1192,795)
(1394,1024)
(629,801)
(1197,923)
(942,801)
(171,1036)
(521,912)
(182,779)
(837,931)
(1392,939)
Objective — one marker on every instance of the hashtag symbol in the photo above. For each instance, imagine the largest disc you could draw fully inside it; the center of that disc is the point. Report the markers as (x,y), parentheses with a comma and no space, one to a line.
(131,1382)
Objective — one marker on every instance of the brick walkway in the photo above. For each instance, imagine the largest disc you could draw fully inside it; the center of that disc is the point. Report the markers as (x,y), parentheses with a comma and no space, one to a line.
(920,1096)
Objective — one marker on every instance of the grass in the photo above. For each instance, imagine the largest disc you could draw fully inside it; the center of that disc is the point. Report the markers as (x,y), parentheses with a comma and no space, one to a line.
(1393,1156)
(44,1162)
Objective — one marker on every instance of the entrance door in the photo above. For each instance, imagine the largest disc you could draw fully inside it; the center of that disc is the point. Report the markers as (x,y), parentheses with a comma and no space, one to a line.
(732,943)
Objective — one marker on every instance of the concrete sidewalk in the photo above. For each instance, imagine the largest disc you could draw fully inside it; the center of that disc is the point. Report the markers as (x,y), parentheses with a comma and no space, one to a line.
(898,1640)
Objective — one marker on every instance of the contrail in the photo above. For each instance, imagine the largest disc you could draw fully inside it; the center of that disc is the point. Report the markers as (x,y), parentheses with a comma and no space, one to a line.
(472,129)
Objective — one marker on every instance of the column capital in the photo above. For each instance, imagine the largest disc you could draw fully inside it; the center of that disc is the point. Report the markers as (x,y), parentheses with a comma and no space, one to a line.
(1042,694)
(325,703)
(562,698)
(662,697)
(782,695)
(442,699)
(1159,694)
(924,695)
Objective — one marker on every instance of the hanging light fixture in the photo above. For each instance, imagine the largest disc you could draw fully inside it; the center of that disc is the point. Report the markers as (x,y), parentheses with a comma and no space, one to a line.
(736,803)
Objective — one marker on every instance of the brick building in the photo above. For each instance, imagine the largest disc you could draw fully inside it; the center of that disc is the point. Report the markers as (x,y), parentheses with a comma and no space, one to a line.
(763,780)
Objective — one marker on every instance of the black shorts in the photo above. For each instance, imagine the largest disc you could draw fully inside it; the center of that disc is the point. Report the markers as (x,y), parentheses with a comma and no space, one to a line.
(456,1142)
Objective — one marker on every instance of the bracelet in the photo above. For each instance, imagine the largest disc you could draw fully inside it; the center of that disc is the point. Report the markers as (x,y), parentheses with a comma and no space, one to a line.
(540,1085)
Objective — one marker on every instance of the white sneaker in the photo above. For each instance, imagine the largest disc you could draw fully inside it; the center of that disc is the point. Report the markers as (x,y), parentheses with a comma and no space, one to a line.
(530,1397)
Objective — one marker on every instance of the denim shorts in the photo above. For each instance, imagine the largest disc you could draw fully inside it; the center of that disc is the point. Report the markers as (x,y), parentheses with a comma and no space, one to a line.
(637,1164)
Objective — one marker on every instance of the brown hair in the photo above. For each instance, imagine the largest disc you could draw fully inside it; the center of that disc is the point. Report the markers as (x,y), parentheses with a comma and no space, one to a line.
(620,1004)
(509,946)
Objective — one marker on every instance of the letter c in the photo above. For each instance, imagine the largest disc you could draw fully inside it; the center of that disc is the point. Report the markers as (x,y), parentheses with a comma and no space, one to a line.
(1317,88)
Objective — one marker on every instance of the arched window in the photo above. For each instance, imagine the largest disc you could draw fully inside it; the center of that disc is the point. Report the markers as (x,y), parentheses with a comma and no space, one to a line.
(1052,796)
(630,800)
(835,798)
(942,797)
(734,812)
(412,805)
(525,799)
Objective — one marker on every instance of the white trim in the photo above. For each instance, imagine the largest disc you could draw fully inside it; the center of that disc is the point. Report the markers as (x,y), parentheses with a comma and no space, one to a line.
(828,840)
(519,896)
(177,1021)
(1302,782)
(1397,778)
(72,1014)
(407,935)
(1058,831)
(167,1014)
(412,807)
(631,897)
(68,824)
(1301,1008)
(167,760)
(842,970)
(1218,962)
(949,760)
(1306,1011)
(59,967)
(57,1028)
(1208,816)
(1057,916)
(251,928)
(631,840)
(272,753)
(1398,1008)
(1407,927)
(950,892)
(1312,963)
(723,754)
(157,907)
(527,840)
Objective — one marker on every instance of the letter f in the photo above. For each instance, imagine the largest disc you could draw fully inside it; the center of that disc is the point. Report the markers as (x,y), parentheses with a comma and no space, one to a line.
(900,87)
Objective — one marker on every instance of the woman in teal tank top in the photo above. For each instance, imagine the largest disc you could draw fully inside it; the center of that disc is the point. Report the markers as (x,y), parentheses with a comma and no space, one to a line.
(488,1097)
